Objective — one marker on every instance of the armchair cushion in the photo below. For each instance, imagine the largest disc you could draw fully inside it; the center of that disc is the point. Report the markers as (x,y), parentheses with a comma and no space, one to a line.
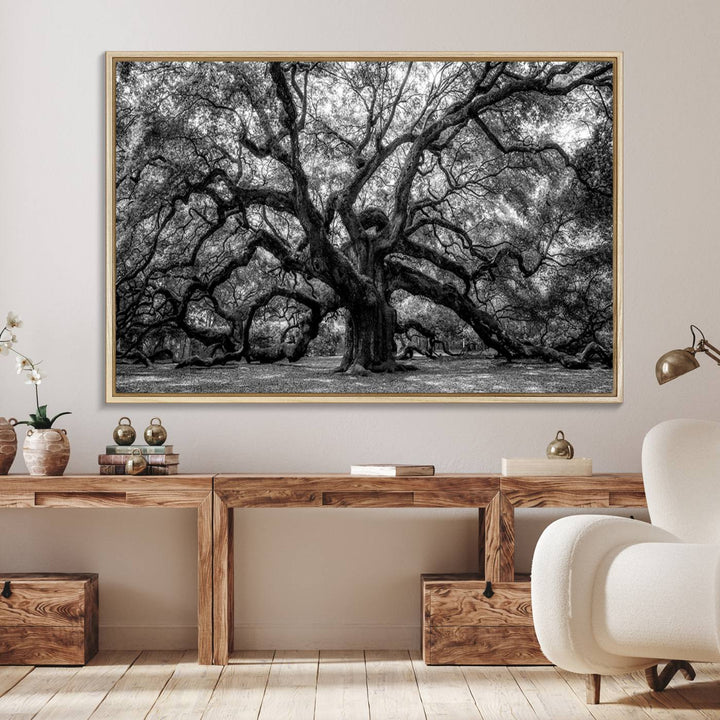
(567,559)
(659,600)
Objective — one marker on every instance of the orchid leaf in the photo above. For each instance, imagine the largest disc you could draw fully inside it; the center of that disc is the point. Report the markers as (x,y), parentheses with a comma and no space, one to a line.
(67,412)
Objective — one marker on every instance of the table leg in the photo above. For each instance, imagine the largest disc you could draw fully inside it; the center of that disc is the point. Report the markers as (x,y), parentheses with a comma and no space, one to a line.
(499,540)
(223,581)
(481,541)
(205,581)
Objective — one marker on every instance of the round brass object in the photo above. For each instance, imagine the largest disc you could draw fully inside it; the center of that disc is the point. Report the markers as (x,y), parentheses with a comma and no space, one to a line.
(124,433)
(675,363)
(560,448)
(155,433)
(136,463)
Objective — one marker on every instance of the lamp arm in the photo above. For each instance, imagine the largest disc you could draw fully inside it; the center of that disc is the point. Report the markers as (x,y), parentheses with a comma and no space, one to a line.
(710,350)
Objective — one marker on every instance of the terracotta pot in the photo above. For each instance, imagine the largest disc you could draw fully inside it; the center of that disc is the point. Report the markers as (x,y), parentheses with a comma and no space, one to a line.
(46,452)
(8,444)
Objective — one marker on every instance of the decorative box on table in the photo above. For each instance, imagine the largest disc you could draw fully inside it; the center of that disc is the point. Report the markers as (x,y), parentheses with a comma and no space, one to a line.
(48,618)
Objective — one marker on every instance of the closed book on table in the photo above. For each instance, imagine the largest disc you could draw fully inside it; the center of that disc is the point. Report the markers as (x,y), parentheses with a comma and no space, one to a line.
(144,449)
(162,470)
(48,618)
(149,470)
(172,459)
(112,470)
(392,470)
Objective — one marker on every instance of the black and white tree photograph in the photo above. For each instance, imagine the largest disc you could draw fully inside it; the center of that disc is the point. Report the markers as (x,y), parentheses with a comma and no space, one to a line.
(364,228)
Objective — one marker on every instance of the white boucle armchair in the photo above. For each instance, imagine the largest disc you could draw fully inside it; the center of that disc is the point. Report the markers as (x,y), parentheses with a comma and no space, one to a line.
(613,595)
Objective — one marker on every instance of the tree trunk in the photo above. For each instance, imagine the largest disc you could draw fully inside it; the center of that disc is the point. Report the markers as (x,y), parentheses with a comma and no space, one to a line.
(370,338)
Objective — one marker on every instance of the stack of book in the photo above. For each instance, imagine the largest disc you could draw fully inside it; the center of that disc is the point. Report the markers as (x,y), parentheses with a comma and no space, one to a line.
(161,460)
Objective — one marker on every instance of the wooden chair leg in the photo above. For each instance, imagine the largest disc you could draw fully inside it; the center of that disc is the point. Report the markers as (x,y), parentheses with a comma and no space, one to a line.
(658,682)
(592,689)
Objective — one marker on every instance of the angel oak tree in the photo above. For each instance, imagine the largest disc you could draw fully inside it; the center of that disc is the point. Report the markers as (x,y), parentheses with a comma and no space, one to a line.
(268,197)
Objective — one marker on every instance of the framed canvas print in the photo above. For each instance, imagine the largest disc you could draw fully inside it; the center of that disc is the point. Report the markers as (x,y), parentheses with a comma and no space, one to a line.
(364,228)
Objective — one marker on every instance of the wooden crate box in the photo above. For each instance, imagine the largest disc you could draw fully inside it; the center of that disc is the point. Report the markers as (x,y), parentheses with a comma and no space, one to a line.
(461,626)
(48,619)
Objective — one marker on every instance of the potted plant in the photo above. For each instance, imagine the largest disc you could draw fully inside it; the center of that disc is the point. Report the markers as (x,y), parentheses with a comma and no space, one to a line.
(46,449)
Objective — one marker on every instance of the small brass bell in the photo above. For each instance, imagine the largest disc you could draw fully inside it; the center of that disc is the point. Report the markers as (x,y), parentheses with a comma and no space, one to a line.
(136,463)
(560,448)
(155,433)
(124,433)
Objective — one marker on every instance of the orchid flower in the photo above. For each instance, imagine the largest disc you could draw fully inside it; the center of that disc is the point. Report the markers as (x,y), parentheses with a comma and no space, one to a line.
(28,369)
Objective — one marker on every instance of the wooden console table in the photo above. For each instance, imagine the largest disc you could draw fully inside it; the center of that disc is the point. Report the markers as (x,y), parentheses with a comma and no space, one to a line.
(92,491)
(215,498)
(495,497)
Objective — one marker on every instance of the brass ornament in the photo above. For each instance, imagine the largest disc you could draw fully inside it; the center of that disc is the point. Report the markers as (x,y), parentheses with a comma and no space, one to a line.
(136,463)
(124,433)
(155,433)
(560,448)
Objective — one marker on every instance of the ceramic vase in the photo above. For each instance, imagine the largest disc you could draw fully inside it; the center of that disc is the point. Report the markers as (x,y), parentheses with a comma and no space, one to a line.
(46,452)
(8,445)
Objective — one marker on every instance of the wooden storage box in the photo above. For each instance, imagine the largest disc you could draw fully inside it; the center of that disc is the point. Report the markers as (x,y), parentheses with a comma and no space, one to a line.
(48,619)
(461,626)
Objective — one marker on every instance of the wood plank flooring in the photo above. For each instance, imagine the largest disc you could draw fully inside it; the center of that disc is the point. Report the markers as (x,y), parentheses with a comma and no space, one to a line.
(344,685)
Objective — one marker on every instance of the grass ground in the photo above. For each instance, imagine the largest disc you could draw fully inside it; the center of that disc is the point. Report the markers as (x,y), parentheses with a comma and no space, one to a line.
(313,375)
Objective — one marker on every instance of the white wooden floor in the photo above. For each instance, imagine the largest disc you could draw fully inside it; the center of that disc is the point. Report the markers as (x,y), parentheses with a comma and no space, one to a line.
(370,685)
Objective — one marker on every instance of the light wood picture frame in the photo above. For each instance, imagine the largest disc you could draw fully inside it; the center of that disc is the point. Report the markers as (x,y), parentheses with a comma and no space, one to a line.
(375,227)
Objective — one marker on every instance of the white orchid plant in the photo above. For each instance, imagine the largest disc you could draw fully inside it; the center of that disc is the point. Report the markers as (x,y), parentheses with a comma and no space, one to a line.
(30,371)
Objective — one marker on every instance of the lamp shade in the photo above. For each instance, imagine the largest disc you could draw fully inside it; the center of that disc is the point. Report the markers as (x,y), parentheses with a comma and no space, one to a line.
(675,363)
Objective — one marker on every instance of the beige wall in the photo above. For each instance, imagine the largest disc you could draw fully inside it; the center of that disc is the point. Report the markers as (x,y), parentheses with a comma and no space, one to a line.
(317,577)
